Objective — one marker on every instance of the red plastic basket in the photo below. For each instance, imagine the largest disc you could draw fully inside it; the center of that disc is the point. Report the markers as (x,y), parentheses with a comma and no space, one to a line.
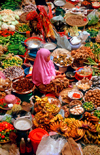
(32,38)
(80,77)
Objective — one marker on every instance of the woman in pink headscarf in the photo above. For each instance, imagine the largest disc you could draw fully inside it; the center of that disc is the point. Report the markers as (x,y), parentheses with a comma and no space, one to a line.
(44,72)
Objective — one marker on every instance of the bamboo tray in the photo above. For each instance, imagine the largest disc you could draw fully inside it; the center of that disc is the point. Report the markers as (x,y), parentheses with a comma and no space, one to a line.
(85,23)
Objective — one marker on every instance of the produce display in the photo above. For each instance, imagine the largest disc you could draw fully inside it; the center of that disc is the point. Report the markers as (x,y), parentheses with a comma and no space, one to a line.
(63,60)
(58,85)
(97,113)
(93,32)
(80,55)
(11,4)
(73,31)
(84,84)
(5,84)
(12,61)
(22,27)
(93,149)
(22,85)
(75,102)
(85,71)
(76,110)
(88,106)
(96,81)
(29,7)
(44,103)
(93,96)
(13,72)
(17,49)
(71,124)
(77,20)
(8,19)
(68,109)
(5,129)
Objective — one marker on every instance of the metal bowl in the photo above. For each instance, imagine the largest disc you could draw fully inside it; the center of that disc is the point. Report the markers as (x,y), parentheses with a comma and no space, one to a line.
(60,2)
(23,124)
(34,44)
(50,46)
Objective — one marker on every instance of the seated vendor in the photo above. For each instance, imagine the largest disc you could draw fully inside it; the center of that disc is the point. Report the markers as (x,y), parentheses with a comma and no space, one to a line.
(44,74)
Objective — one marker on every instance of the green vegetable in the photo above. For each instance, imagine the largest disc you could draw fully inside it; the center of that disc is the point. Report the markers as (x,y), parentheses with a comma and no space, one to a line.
(11,4)
(88,106)
(97,113)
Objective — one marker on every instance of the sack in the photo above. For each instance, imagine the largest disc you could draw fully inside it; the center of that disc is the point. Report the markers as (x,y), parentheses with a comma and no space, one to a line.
(50,146)
(71,148)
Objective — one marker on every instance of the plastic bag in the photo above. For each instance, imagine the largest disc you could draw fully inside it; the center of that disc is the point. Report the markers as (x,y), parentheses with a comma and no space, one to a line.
(50,146)
(93,17)
(63,42)
(83,36)
(57,18)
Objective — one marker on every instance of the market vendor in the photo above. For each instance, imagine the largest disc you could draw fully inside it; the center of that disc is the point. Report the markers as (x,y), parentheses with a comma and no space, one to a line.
(40,22)
(44,74)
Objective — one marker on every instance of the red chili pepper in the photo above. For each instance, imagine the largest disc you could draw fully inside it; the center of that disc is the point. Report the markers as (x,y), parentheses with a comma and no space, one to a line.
(76,95)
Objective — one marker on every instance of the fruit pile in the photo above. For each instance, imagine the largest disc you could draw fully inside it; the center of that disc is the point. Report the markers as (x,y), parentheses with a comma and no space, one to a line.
(5,129)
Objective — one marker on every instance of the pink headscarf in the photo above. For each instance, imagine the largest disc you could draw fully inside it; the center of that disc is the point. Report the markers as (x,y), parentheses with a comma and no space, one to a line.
(42,70)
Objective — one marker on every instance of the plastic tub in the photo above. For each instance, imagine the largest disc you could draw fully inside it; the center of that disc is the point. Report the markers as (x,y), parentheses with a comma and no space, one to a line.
(80,77)
(36,136)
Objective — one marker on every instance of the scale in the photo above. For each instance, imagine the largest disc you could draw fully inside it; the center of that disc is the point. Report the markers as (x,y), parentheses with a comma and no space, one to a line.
(33,47)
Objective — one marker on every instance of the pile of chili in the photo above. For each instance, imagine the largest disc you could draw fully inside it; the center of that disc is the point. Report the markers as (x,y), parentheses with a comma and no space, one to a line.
(6,33)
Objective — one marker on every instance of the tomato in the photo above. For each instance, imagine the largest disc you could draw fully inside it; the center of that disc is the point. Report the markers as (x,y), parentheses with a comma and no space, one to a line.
(2,136)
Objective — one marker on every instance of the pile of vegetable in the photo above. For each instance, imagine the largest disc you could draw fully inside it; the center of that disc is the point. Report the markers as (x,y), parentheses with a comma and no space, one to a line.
(93,32)
(88,106)
(12,61)
(8,20)
(4,40)
(11,4)
(95,49)
(73,31)
(5,130)
(17,49)
(3,49)
(6,33)
(2,104)
(22,27)
(12,44)
(16,38)
(97,113)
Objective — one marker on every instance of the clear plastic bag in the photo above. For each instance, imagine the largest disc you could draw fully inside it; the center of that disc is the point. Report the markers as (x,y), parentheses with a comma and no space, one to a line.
(50,146)
(93,17)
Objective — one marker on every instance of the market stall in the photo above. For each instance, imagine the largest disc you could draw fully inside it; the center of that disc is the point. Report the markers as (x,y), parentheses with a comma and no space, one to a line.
(50,77)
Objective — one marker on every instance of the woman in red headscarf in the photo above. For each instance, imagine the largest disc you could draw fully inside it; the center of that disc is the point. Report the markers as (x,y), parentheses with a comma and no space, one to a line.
(42,19)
